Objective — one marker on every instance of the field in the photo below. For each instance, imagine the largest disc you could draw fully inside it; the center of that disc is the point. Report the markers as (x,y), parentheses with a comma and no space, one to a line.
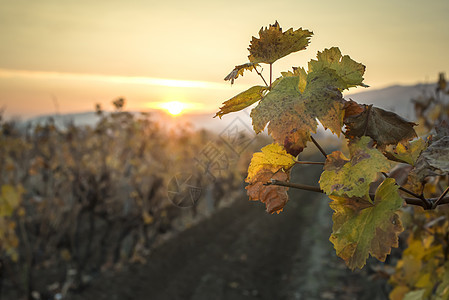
(78,202)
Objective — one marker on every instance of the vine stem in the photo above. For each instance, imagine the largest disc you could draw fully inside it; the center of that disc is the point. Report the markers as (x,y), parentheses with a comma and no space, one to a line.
(261,76)
(318,146)
(410,201)
(295,185)
(426,203)
(437,202)
(309,162)
(271,74)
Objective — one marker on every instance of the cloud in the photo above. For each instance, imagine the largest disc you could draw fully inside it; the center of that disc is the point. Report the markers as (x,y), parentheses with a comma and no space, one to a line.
(28,74)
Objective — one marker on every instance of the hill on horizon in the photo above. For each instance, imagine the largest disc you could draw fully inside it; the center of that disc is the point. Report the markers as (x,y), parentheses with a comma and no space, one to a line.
(396,98)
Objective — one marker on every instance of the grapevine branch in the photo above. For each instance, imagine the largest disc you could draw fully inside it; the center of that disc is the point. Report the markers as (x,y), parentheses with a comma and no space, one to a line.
(261,76)
(318,146)
(408,200)
(309,162)
(440,199)
(271,74)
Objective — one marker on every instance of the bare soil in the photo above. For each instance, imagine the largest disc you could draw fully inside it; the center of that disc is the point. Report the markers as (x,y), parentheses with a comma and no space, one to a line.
(241,252)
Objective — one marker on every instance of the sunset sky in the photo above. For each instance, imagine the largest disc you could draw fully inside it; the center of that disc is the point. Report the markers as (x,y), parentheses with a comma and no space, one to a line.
(65,56)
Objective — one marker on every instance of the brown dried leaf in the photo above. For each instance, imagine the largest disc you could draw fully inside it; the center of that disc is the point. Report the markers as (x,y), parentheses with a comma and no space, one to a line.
(238,71)
(382,126)
(274,196)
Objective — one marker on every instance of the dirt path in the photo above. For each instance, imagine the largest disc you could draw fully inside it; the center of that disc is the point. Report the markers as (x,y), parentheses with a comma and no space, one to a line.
(241,252)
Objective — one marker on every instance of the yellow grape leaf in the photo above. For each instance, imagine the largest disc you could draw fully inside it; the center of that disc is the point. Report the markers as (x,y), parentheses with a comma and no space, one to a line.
(382,126)
(10,198)
(242,100)
(147,218)
(407,152)
(362,228)
(398,292)
(272,163)
(424,281)
(273,158)
(352,177)
(238,71)
(273,44)
(349,72)
(274,196)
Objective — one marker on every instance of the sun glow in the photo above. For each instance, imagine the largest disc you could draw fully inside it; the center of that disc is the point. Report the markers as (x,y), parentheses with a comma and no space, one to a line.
(173,107)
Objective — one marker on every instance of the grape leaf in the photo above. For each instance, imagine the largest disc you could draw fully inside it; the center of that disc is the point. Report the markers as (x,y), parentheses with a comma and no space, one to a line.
(273,158)
(274,44)
(274,196)
(408,152)
(10,198)
(349,72)
(242,100)
(238,71)
(382,126)
(415,295)
(436,156)
(272,163)
(362,228)
(301,73)
(293,105)
(352,177)
(286,125)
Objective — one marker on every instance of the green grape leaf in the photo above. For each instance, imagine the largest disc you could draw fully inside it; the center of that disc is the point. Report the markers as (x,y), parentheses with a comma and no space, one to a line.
(274,196)
(273,158)
(298,99)
(238,71)
(272,163)
(362,228)
(274,44)
(242,100)
(415,295)
(285,123)
(292,115)
(408,152)
(349,72)
(382,126)
(301,73)
(352,177)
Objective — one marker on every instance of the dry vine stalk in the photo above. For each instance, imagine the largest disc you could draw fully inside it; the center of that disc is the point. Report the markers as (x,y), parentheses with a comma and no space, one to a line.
(380,142)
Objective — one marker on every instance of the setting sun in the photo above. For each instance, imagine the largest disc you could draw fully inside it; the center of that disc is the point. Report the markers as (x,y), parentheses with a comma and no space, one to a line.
(176,108)
(173,107)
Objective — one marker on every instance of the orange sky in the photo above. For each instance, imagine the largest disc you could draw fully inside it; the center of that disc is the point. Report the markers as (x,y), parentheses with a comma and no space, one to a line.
(66,56)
